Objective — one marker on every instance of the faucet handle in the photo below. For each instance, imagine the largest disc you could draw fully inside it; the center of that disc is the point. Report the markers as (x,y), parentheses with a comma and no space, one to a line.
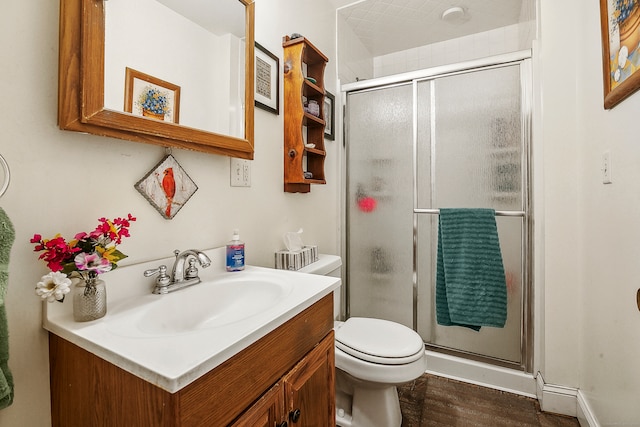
(162,281)
(192,271)
(161,271)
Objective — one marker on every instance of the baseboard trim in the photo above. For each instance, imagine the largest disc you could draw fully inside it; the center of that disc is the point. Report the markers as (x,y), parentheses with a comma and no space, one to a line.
(565,401)
(481,374)
(556,398)
(585,415)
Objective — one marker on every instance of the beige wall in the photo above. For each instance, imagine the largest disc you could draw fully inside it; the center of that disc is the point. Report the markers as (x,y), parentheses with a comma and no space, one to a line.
(610,319)
(590,231)
(62,181)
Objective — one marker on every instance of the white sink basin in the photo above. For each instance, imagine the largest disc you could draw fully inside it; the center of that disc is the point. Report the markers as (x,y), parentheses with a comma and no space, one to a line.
(171,340)
(213,303)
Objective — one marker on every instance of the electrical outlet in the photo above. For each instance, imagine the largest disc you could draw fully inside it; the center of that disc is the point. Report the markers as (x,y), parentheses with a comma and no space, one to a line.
(240,173)
(606,167)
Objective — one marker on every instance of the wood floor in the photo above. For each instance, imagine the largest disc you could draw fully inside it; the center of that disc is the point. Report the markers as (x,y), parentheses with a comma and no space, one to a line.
(432,401)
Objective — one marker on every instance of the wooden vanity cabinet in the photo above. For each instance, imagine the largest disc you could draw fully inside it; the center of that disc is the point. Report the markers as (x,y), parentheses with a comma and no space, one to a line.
(301,398)
(266,412)
(289,369)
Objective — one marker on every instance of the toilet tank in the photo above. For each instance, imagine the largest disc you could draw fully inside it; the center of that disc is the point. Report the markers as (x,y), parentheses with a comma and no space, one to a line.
(328,265)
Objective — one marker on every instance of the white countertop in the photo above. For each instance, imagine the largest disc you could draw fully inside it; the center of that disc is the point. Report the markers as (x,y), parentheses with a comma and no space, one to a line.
(173,360)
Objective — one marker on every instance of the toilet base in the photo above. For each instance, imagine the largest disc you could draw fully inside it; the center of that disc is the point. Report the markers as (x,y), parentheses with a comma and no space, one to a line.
(362,404)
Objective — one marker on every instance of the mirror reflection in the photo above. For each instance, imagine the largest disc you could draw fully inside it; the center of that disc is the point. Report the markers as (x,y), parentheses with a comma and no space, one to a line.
(186,61)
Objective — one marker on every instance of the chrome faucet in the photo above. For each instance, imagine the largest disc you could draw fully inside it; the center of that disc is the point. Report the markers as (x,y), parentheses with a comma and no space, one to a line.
(180,277)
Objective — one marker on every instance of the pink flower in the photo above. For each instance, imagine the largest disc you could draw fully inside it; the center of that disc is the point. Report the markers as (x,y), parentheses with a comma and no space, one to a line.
(92,262)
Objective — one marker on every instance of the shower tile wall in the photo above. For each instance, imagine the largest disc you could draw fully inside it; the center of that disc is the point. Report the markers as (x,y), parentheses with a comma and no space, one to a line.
(355,63)
(495,42)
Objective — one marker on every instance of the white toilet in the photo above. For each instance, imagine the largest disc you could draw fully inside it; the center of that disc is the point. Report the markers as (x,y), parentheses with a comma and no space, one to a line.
(373,357)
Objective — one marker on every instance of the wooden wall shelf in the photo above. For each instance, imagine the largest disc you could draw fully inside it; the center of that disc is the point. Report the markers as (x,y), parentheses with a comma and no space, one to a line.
(302,60)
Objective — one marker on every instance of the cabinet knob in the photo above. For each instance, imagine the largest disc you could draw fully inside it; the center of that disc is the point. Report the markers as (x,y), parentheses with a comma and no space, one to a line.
(283,424)
(292,153)
(294,415)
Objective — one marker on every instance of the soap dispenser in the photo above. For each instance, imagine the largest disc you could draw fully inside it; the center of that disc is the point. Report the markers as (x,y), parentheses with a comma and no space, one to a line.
(235,253)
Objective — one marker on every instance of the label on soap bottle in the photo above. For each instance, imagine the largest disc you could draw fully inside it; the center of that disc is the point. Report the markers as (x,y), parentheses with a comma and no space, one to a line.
(235,257)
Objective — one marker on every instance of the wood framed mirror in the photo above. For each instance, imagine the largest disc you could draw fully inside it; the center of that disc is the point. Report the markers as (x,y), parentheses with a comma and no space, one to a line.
(81,87)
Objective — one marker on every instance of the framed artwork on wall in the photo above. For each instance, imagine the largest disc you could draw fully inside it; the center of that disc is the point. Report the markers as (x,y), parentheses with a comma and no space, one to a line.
(620,27)
(167,187)
(150,97)
(329,116)
(267,80)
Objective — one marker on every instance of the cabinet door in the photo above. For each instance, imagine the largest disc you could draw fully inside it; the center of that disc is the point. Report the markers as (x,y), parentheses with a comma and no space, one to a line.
(310,388)
(266,412)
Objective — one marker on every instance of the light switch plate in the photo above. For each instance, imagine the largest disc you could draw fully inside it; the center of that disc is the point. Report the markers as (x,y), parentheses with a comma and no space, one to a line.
(240,172)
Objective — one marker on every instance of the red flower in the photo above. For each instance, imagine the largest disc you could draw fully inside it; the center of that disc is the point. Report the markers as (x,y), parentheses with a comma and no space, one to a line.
(57,251)
(60,254)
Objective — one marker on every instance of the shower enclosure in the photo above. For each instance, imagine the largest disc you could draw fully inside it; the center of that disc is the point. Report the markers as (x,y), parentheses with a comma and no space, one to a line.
(449,137)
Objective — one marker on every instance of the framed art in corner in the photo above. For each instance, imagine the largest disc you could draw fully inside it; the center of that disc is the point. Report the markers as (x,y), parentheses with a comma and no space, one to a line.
(267,80)
(150,97)
(329,116)
(620,27)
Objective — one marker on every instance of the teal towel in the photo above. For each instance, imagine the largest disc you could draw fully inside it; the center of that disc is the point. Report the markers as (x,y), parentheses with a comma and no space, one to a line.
(471,289)
(7,236)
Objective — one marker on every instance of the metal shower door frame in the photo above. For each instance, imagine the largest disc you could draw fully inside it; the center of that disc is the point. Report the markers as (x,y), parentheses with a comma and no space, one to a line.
(523,60)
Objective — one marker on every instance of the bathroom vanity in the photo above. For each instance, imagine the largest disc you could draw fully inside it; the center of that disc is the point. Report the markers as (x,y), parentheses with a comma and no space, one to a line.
(278,372)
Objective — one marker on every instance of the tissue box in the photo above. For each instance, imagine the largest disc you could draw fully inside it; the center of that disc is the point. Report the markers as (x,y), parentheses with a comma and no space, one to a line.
(295,260)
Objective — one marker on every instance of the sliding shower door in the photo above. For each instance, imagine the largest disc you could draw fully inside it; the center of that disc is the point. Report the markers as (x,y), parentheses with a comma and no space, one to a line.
(453,140)
(380,213)
(470,154)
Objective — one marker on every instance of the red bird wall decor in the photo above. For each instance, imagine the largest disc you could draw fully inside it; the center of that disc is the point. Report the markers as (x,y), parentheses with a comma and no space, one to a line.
(167,187)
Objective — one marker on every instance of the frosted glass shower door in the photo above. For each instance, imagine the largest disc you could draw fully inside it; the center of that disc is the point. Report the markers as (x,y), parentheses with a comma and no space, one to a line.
(452,140)
(380,204)
(470,154)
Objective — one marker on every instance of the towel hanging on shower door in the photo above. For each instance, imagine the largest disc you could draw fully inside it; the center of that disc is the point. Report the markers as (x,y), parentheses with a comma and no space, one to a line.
(471,289)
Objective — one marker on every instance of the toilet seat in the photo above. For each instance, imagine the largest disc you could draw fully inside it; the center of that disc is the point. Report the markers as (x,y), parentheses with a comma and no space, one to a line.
(379,341)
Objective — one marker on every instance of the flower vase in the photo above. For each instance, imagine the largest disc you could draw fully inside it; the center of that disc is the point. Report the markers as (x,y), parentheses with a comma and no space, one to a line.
(89,300)
(152,115)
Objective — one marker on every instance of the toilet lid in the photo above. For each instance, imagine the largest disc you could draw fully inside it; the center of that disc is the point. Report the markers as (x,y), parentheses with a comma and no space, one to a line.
(379,341)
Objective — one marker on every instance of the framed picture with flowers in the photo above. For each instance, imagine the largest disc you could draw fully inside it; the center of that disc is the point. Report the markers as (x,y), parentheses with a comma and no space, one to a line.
(150,97)
(620,27)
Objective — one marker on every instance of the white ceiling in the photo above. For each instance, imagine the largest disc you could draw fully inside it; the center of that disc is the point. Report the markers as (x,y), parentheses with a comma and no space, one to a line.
(386,26)
(383,26)
(211,14)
